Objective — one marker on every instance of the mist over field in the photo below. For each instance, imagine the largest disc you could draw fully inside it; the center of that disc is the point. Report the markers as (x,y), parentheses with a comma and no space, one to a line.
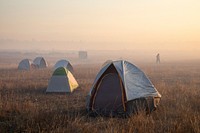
(144,28)
(162,38)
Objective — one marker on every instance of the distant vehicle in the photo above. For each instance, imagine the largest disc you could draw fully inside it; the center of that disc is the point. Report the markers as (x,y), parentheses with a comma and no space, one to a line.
(82,54)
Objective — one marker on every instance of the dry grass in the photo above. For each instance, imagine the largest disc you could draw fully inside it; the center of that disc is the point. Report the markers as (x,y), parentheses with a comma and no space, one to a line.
(24,106)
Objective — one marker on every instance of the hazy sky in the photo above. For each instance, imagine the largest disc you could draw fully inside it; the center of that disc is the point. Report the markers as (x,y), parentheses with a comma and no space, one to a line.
(102,24)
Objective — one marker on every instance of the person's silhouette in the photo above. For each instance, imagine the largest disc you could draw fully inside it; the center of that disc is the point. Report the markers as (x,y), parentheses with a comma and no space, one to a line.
(158,58)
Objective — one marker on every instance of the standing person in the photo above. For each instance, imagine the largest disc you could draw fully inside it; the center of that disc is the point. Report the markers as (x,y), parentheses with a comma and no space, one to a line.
(158,58)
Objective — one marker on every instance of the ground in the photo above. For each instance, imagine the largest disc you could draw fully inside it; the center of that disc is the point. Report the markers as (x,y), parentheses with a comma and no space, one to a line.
(25,107)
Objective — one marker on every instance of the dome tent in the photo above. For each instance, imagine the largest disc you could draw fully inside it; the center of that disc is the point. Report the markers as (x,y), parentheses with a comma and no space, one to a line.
(106,62)
(25,64)
(120,88)
(63,63)
(62,80)
(40,62)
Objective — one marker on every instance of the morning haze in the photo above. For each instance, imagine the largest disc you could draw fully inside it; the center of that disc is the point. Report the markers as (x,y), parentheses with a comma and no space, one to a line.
(153,26)
(100,66)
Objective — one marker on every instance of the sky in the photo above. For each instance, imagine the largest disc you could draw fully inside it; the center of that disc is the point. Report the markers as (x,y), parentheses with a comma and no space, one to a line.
(101,24)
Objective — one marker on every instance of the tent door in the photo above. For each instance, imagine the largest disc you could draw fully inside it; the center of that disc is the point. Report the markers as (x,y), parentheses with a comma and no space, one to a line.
(109,93)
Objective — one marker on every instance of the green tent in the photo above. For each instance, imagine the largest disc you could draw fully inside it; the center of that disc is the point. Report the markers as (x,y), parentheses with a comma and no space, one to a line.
(62,80)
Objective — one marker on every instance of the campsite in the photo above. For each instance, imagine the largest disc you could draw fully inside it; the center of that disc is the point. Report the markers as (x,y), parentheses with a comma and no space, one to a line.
(99,66)
(25,106)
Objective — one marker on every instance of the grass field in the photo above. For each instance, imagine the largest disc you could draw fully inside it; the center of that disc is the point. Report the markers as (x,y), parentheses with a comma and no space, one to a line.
(24,106)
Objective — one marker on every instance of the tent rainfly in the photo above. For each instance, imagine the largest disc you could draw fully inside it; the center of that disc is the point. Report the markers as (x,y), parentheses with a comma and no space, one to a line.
(25,64)
(62,80)
(64,63)
(106,62)
(40,62)
(121,88)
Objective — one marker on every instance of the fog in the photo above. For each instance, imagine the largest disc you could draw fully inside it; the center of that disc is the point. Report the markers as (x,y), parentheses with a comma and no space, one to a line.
(138,29)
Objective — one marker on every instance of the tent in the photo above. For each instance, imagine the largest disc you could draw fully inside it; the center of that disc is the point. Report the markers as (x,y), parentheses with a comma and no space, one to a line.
(121,88)
(63,63)
(106,62)
(40,62)
(25,64)
(62,80)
